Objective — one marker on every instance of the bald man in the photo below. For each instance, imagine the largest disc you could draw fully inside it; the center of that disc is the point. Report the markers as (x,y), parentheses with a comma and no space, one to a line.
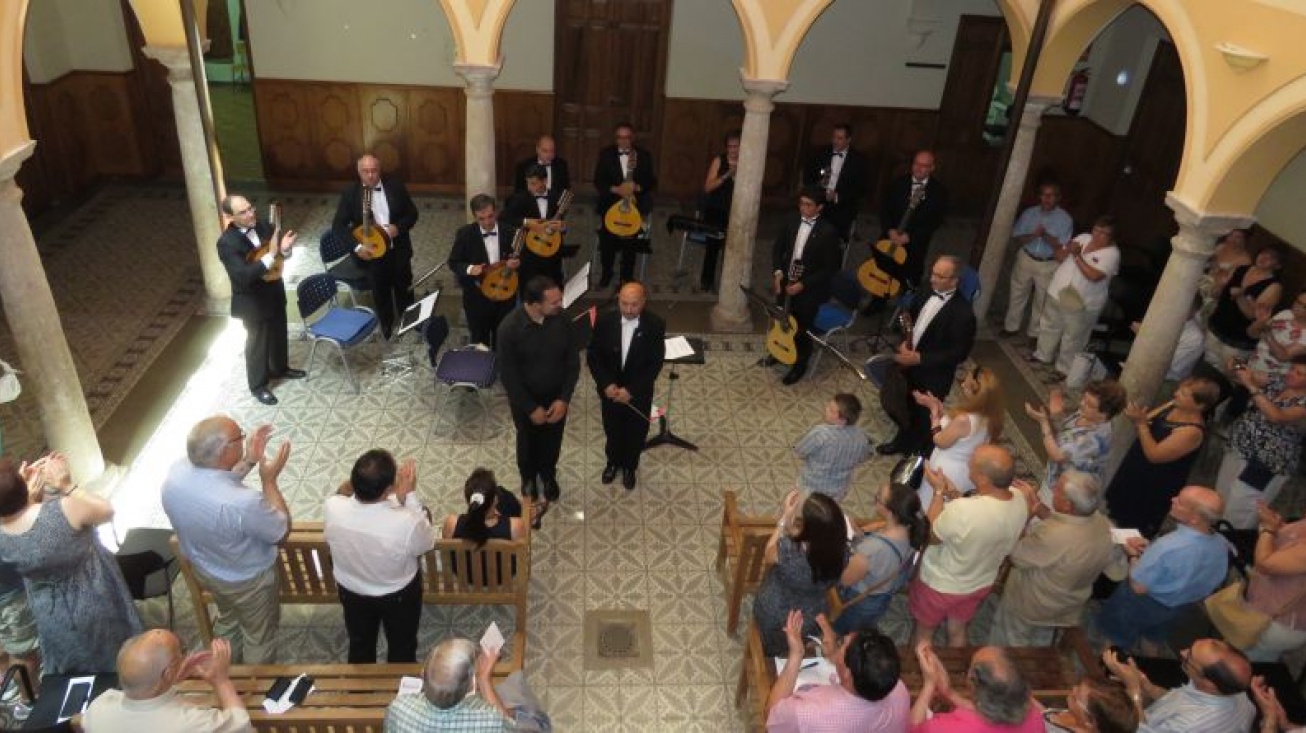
(259,304)
(1214,699)
(557,177)
(391,275)
(1000,695)
(625,357)
(925,219)
(1169,575)
(457,693)
(149,666)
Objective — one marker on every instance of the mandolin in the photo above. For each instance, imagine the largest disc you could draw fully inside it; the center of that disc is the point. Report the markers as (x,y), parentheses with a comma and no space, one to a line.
(271,247)
(548,239)
(780,337)
(369,235)
(498,281)
(623,218)
(872,277)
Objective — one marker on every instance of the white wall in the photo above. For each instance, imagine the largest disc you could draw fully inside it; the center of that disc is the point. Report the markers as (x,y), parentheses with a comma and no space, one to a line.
(400,42)
(854,54)
(1121,53)
(1280,208)
(63,35)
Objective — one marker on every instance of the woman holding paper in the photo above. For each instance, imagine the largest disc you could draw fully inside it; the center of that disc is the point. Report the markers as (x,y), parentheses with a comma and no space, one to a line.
(1264,446)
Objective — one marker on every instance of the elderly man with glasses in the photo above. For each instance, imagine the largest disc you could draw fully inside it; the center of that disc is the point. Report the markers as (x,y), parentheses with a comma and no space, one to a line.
(1213,699)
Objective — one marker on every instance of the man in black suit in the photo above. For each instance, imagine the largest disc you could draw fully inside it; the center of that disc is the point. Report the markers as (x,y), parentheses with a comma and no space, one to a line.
(625,356)
(484,242)
(261,305)
(843,173)
(536,208)
(925,218)
(557,177)
(942,335)
(393,210)
(610,180)
(808,246)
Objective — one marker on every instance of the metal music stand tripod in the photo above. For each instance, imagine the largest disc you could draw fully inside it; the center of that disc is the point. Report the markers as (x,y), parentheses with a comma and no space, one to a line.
(665,436)
(399,365)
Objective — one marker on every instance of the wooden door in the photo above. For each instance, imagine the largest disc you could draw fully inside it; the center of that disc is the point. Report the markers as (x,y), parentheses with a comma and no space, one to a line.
(610,61)
(1153,151)
(965,163)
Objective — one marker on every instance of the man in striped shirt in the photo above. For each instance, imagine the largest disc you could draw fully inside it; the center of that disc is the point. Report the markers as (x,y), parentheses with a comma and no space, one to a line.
(831,450)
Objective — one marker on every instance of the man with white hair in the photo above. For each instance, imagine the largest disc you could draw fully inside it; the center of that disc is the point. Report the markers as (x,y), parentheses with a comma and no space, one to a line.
(457,694)
(149,666)
(1054,565)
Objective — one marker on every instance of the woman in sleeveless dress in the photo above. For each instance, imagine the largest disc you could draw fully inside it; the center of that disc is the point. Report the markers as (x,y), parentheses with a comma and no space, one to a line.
(718,191)
(956,433)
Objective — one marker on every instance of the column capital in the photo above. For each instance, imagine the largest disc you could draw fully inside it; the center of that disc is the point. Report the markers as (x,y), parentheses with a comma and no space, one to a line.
(13,160)
(176,59)
(1198,230)
(479,77)
(758,92)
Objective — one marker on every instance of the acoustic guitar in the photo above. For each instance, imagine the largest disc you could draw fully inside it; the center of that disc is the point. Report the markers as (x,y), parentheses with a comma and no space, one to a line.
(498,281)
(871,275)
(623,218)
(887,374)
(369,235)
(784,327)
(271,247)
(547,241)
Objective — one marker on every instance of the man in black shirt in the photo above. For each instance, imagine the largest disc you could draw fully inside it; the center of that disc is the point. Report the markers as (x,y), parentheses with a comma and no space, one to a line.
(539,364)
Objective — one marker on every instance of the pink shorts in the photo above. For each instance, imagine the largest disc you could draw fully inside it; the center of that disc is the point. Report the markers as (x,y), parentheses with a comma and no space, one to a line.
(932,608)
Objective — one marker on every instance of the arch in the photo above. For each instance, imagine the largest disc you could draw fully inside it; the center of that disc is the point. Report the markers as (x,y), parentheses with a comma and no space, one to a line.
(773,30)
(477,28)
(1245,162)
(1020,25)
(13,115)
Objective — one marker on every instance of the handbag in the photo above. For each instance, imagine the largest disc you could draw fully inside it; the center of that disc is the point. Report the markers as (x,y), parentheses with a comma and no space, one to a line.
(9,385)
(1239,623)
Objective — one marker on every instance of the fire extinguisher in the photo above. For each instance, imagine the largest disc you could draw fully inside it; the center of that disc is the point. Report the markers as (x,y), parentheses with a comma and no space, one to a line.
(1074,102)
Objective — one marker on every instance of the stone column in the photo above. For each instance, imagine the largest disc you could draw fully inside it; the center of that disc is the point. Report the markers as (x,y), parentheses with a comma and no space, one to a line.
(1004,216)
(199,174)
(731,313)
(47,364)
(479,138)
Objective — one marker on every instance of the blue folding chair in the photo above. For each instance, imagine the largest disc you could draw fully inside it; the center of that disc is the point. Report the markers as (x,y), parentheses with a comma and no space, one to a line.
(343,328)
(334,251)
(969,284)
(838,316)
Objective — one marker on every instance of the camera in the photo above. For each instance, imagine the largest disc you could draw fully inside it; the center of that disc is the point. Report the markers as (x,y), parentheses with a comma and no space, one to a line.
(1239,365)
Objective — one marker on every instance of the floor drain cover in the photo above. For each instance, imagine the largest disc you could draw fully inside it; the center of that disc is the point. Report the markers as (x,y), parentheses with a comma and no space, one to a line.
(617,639)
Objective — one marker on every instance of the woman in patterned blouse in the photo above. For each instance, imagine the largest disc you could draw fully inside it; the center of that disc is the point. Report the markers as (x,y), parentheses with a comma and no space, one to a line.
(1082,439)
(1265,444)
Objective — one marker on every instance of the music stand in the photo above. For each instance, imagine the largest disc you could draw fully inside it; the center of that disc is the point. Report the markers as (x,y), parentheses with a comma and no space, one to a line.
(665,436)
(401,365)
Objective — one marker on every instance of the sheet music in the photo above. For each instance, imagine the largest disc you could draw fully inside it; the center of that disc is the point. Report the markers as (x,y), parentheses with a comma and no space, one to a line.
(678,348)
(418,312)
(576,286)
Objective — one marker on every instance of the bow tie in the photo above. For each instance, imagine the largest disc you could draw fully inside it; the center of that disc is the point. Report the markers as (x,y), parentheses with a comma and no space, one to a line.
(915,183)
(542,163)
(941,296)
(836,154)
(378,188)
(809,222)
(491,233)
(623,153)
(245,231)
(542,197)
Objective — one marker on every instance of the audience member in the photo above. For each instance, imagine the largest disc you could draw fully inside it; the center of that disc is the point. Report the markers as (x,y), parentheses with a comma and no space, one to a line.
(1077,294)
(1082,439)
(1168,575)
(955,434)
(1276,586)
(1282,338)
(1158,463)
(867,694)
(807,553)
(1273,717)
(19,639)
(971,538)
(229,533)
(1214,700)
(881,561)
(1054,565)
(1230,254)
(832,450)
(1042,233)
(1242,307)
(1265,444)
(1192,342)
(1000,701)
(149,667)
(1094,706)
(457,694)
(493,513)
(718,192)
(74,587)
(378,531)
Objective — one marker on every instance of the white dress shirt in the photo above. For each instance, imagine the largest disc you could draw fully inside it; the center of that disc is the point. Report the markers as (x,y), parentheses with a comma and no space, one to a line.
(542,203)
(548,173)
(375,547)
(928,312)
(800,242)
(380,207)
(491,245)
(836,167)
(628,328)
(624,157)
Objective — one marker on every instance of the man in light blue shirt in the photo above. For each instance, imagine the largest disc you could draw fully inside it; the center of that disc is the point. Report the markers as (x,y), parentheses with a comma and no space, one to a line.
(1042,232)
(229,532)
(1179,569)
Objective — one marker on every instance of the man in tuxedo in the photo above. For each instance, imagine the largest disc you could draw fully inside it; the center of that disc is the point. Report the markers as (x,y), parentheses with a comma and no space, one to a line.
(610,172)
(260,305)
(942,335)
(476,246)
(625,356)
(808,246)
(535,208)
(924,220)
(557,177)
(843,173)
(393,210)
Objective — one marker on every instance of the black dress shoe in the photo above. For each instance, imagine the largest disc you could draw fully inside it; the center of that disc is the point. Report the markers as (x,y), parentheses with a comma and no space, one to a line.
(264,395)
(892,448)
(628,478)
(291,373)
(551,489)
(609,473)
(794,374)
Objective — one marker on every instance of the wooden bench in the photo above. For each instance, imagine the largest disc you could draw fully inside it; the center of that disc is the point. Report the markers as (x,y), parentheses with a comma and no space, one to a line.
(454,573)
(1051,671)
(740,551)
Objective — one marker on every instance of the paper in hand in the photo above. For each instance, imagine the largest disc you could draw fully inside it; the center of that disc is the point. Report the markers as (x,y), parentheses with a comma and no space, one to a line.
(492,640)
(410,685)
(1119,536)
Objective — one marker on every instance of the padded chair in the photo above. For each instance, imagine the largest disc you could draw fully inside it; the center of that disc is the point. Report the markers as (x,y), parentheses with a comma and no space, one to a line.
(471,368)
(343,328)
(149,565)
(969,284)
(334,251)
(838,316)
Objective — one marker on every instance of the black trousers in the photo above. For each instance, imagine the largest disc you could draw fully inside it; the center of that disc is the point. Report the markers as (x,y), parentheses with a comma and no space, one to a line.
(804,309)
(399,612)
(266,349)
(483,316)
(391,278)
(538,447)
(624,431)
(610,246)
(711,255)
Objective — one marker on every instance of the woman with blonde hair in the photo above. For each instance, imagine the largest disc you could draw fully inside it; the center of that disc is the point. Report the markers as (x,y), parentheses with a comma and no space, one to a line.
(956,433)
